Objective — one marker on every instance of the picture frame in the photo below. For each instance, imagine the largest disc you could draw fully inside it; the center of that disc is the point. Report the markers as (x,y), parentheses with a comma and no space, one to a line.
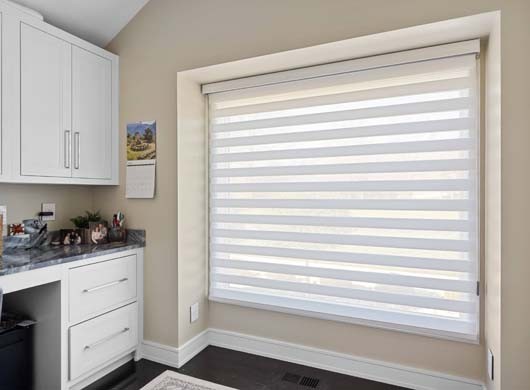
(117,234)
(98,232)
(72,237)
(141,141)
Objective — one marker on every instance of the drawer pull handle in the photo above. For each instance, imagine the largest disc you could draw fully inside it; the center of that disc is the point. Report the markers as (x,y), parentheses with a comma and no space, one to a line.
(108,338)
(87,290)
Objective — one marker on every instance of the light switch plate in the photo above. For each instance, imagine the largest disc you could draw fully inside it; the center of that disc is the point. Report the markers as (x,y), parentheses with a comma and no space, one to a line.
(48,207)
(194,312)
(3,212)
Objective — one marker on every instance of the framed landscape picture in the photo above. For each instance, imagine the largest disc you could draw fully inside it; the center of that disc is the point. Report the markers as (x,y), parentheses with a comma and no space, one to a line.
(141,141)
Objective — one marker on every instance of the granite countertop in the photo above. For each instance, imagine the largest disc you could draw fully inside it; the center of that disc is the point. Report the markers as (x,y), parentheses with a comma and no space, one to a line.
(14,260)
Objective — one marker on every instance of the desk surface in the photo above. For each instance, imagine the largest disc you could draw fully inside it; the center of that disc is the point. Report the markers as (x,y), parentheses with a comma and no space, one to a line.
(19,260)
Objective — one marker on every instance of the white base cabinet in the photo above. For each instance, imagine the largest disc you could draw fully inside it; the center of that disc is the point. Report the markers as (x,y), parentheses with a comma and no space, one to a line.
(59,104)
(89,316)
(104,322)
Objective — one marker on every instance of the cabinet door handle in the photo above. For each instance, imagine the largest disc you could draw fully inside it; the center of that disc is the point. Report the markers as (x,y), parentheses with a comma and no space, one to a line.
(67,148)
(76,149)
(87,290)
(108,338)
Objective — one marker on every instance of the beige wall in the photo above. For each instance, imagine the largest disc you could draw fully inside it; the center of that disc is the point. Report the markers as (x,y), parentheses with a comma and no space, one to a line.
(24,201)
(173,35)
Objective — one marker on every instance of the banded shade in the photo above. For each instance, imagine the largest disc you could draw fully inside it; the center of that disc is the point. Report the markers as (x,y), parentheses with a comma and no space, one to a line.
(351,196)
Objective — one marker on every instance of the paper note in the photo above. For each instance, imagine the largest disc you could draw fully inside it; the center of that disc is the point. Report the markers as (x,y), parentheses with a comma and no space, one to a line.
(140,181)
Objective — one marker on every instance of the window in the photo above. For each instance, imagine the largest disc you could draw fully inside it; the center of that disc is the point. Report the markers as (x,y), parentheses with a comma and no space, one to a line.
(351,194)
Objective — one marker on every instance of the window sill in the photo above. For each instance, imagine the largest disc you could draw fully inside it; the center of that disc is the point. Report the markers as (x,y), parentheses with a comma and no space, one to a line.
(474,340)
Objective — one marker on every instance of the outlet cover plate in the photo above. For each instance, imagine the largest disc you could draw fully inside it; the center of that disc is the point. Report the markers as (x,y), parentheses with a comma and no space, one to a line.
(48,207)
(194,312)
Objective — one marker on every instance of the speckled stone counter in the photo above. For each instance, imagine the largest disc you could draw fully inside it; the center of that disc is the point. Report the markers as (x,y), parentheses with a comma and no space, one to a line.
(15,260)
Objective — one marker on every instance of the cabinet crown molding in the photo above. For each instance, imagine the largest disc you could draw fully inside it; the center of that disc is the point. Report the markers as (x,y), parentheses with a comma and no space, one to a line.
(22,8)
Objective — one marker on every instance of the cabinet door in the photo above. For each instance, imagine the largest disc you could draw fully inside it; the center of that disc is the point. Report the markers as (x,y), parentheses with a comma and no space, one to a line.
(92,121)
(45,104)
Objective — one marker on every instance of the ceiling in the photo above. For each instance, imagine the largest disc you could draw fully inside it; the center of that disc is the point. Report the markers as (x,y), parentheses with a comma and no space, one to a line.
(97,21)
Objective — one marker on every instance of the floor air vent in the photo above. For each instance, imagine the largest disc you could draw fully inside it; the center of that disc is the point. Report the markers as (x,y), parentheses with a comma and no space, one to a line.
(305,381)
(309,382)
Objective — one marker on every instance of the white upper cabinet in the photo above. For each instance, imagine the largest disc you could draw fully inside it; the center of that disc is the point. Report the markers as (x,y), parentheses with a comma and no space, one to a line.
(45,104)
(60,125)
(92,120)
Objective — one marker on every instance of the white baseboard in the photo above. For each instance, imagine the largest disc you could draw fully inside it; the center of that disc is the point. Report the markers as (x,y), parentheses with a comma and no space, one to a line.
(193,347)
(160,353)
(172,356)
(327,360)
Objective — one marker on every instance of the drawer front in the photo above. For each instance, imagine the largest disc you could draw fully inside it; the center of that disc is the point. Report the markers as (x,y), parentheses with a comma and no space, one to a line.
(96,342)
(98,287)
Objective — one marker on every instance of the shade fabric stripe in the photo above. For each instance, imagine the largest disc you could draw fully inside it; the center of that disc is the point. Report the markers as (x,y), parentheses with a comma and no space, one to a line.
(372,185)
(463,144)
(352,132)
(449,305)
(349,257)
(348,204)
(455,104)
(388,223)
(376,167)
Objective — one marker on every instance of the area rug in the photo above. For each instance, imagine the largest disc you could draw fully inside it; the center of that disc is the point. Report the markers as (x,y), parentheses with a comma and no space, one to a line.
(170,380)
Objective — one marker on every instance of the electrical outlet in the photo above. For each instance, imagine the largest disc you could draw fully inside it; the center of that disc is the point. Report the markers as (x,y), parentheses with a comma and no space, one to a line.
(48,207)
(491,365)
(194,312)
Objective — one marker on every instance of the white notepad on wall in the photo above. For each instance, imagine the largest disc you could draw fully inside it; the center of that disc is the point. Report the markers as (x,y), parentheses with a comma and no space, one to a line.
(140,180)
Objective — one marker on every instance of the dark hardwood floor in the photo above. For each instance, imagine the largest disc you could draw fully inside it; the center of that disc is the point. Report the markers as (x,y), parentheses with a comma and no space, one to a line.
(236,369)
